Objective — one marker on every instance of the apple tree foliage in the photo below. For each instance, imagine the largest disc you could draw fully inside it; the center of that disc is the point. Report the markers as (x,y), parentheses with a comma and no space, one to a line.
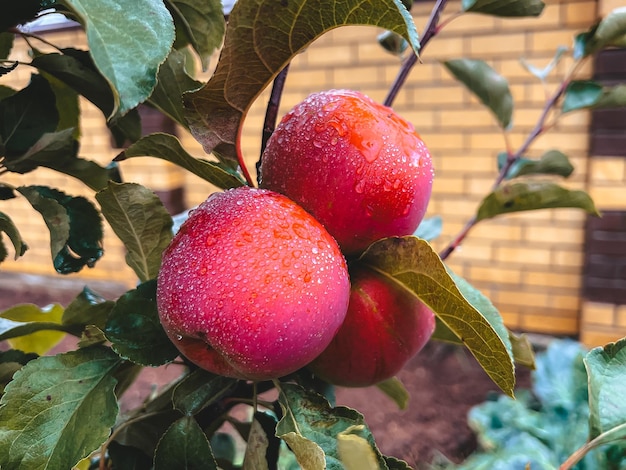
(62,411)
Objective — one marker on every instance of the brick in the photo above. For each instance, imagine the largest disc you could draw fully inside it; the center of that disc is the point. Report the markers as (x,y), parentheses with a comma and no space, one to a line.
(565,302)
(522,255)
(592,337)
(550,18)
(567,258)
(511,320)
(474,250)
(556,234)
(449,185)
(310,79)
(497,231)
(426,72)
(552,279)
(495,274)
(608,196)
(549,324)
(440,141)
(606,6)
(478,162)
(502,45)
(325,56)
(429,95)
(468,118)
(608,170)
(550,41)
(579,13)
(443,47)
(525,299)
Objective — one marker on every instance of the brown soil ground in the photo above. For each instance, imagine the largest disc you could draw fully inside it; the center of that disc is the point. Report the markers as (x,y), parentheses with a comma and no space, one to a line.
(444,383)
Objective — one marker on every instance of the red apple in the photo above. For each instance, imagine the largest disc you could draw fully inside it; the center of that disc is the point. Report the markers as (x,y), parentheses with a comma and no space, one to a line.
(252,286)
(385,327)
(357,166)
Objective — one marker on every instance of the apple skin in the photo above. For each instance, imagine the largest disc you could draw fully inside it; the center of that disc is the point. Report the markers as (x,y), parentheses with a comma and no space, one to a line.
(357,166)
(385,327)
(252,286)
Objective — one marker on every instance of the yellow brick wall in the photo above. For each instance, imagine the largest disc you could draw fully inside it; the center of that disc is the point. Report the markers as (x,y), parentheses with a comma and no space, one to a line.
(528,264)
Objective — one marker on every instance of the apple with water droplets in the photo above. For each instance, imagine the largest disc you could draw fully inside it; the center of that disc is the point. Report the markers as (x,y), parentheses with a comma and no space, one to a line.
(252,286)
(357,166)
(385,326)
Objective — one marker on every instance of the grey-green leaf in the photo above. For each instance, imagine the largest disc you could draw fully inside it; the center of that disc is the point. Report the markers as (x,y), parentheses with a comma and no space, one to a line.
(429,228)
(553,162)
(257,47)
(128,40)
(139,219)
(533,195)
(413,263)
(47,411)
(606,367)
(167,147)
(7,226)
(198,390)
(490,87)
(184,446)
(582,94)
(504,8)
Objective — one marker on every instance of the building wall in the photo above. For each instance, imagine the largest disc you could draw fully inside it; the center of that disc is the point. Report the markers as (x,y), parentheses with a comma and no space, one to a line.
(528,264)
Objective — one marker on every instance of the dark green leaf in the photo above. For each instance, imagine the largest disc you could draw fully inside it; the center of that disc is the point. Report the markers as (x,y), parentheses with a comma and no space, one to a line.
(412,262)
(552,162)
(128,41)
(26,115)
(396,464)
(67,105)
(5,69)
(3,250)
(139,219)
(203,24)
(198,390)
(606,367)
(184,446)
(311,427)
(75,227)
(609,31)
(126,129)
(6,91)
(582,94)
(430,228)
(224,447)
(135,331)
(257,47)
(533,195)
(504,8)
(395,390)
(10,362)
(173,81)
(6,44)
(88,308)
(47,411)
(31,328)
(14,13)
(7,226)
(128,458)
(490,87)
(167,147)
(393,42)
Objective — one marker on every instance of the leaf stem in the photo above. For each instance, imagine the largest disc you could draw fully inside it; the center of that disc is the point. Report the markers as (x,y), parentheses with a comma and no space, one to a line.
(240,159)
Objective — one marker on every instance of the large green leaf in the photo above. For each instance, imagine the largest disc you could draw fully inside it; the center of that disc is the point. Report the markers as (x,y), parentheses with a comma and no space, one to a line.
(135,331)
(552,162)
(25,116)
(58,409)
(75,227)
(257,47)
(198,390)
(128,40)
(139,219)
(311,428)
(489,86)
(203,24)
(167,147)
(28,328)
(7,226)
(582,94)
(505,8)
(184,446)
(413,263)
(606,368)
(173,81)
(610,31)
(533,195)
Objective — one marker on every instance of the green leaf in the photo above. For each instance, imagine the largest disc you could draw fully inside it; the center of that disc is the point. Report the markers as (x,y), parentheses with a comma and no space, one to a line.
(413,263)
(581,94)
(184,446)
(395,390)
(172,82)
(135,330)
(609,31)
(75,227)
(41,339)
(25,116)
(257,47)
(311,427)
(88,308)
(504,8)
(10,362)
(67,105)
(203,24)
(139,219)
(128,458)
(6,44)
(167,147)
(533,195)
(552,162)
(128,40)
(393,43)
(522,350)
(7,226)
(14,329)
(606,367)
(430,228)
(6,91)
(198,390)
(490,87)
(47,411)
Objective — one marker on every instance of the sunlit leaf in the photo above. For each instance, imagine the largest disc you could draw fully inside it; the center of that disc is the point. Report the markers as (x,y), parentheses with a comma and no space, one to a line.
(355,452)
(490,87)
(167,147)
(522,350)
(135,331)
(257,47)
(7,226)
(47,411)
(395,390)
(42,339)
(184,446)
(139,219)
(533,195)
(552,162)
(128,40)
(412,262)
(504,8)
(198,390)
